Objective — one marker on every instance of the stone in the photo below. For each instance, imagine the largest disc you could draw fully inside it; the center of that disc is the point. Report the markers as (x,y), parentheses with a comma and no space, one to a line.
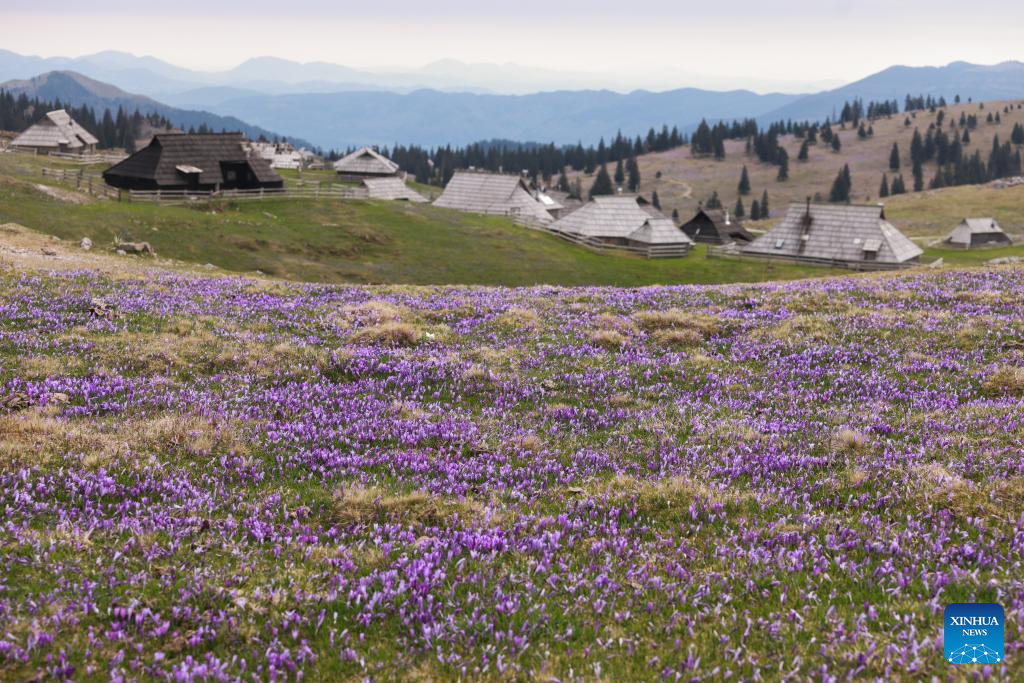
(86,244)
(19,400)
(137,248)
(100,308)
(48,252)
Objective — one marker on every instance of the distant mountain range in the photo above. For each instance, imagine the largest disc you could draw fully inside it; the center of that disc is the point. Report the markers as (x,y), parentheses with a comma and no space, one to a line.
(335,106)
(78,90)
(1003,81)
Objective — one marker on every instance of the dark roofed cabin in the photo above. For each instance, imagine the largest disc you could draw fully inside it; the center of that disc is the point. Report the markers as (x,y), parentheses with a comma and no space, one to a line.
(712,226)
(196,163)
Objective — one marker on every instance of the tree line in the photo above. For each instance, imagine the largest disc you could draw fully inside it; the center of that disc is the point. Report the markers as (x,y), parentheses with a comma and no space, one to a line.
(120,129)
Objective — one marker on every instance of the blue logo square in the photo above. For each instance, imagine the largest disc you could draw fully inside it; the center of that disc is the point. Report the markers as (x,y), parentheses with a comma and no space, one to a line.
(973,633)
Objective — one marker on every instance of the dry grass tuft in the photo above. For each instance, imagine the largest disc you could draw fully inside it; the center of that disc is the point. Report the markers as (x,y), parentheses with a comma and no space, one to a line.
(531,442)
(362,505)
(386,334)
(607,339)
(1006,381)
(620,399)
(805,327)
(659,496)
(518,319)
(477,373)
(677,319)
(849,442)
(677,338)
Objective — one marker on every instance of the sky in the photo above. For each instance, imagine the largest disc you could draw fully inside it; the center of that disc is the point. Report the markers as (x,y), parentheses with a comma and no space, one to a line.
(663,43)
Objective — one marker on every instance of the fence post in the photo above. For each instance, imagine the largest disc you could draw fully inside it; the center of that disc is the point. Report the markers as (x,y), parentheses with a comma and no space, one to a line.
(158,195)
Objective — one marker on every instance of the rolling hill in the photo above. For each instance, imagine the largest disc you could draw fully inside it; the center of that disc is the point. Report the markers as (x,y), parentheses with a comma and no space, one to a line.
(75,89)
(980,82)
(686,180)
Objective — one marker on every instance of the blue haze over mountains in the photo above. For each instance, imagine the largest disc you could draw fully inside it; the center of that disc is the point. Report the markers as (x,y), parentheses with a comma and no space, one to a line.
(334,106)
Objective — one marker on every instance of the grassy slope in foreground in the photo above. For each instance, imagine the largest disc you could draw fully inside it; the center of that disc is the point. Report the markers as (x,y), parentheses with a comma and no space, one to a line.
(235,478)
(362,241)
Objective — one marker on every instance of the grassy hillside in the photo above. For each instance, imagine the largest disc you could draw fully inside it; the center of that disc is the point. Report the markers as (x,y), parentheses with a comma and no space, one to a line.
(354,241)
(686,180)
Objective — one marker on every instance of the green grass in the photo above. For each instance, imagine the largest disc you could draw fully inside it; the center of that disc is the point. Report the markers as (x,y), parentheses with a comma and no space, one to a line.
(357,241)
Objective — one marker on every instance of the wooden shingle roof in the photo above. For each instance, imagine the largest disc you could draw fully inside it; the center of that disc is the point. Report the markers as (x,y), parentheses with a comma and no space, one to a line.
(492,193)
(836,232)
(621,217)
(56,129)
(714,226)
(162,160)
(366,161)
(392,188)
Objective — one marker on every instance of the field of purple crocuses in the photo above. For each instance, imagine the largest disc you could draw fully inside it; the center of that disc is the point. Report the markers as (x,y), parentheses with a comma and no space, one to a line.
(224,479)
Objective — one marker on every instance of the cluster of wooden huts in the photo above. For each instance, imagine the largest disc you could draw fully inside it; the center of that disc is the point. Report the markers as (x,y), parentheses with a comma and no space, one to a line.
(853,236)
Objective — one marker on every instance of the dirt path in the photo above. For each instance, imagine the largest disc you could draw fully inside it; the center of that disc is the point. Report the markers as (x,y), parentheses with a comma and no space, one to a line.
(687,188)
(25,249)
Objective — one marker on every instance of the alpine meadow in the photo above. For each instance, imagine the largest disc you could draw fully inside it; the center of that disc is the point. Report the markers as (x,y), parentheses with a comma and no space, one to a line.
(486,343)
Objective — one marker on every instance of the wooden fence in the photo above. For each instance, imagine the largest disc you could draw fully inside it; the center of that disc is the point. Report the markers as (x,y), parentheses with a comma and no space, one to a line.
(87,159)
(649,251)
(294,192)
(86,182)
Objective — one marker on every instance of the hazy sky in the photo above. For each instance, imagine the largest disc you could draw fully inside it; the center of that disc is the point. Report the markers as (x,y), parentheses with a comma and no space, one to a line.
(802,41)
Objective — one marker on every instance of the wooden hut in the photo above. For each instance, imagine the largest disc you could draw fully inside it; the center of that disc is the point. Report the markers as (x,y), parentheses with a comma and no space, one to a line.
(624,221)
(849,236)
(976,233)
(56,132)
(196,163)
(365,163)
(495,194)
(392,189)
(713,226)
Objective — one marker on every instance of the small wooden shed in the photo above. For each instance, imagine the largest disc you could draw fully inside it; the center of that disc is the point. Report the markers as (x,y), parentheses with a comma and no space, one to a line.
(365,163)
(56,132)
(496,194)
(845,235)
(714,226)
(976,233)
(625,221)
(196,163)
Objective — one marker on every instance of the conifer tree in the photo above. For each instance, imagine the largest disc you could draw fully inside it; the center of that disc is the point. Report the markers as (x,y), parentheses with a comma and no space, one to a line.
(837,144)
(655,201)
(620,173)
(764,204)
(883,191)
(918,177)
(782,159)
(675,215)
(841,186)
(894,157)
(966,138)
(755,211)
(634,174)
(744,184)
(602,183)
(802,156)
(714,202)
(738,211)
(719,148)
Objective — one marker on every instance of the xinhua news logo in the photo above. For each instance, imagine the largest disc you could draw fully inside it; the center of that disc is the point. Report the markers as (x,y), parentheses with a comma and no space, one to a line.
(973,633)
